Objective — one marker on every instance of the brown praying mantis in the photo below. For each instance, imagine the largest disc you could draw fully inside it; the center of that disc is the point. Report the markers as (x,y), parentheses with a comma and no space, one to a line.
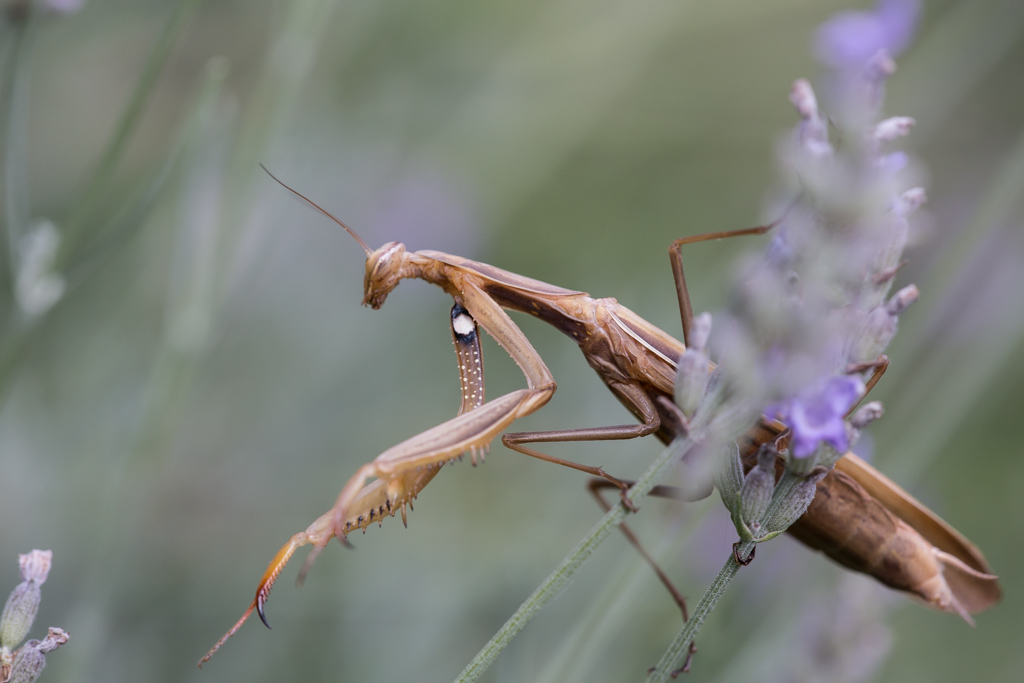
(859,518)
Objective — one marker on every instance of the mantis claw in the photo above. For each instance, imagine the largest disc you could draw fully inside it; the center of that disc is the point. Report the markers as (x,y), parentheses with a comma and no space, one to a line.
(741,561)
(259,611)
(630,505)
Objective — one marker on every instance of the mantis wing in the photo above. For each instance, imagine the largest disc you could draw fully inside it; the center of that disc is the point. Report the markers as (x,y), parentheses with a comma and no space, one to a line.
(973,585)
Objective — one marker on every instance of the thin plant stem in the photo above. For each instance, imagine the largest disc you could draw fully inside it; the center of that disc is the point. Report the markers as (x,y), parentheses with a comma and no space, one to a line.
(679,650)
(609,610)
(676,654)
(559,578)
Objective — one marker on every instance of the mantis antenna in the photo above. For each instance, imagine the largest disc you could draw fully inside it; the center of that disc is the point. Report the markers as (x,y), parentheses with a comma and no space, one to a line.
(321,210)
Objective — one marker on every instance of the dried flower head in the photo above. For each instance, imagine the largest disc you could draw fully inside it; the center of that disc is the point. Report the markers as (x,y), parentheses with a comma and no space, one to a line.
(24,664)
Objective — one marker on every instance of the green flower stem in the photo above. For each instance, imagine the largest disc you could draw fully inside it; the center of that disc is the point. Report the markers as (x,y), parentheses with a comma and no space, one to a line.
(677,652)
(680,647)
(558,579)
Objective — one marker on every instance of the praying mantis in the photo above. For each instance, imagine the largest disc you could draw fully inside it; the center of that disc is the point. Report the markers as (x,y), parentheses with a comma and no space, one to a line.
(859,518)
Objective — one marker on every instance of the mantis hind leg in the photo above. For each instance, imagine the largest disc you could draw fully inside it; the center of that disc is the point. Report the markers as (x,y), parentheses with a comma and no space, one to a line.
(595,486)
(877,367)
(675,254)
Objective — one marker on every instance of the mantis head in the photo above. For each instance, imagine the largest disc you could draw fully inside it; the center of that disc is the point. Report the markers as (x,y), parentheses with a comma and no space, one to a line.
(383,271)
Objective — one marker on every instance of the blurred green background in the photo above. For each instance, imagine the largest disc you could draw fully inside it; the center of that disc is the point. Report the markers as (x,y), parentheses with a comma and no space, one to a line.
(208,381)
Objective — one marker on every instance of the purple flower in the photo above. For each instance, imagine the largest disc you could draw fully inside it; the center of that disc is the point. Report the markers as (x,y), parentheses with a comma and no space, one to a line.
(851,39)
(892,163)
(63,6)
(427,206)
(816,415)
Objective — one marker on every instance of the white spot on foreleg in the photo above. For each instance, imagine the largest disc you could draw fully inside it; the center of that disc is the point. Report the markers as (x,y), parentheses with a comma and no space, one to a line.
(463,325)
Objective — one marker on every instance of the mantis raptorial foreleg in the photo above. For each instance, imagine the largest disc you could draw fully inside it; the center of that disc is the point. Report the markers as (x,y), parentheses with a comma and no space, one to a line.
(469,431)
(376,499)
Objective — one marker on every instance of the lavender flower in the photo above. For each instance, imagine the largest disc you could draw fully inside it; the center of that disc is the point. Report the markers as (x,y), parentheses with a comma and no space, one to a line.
(816,416)
(851,39)
(810,320)
(692,377)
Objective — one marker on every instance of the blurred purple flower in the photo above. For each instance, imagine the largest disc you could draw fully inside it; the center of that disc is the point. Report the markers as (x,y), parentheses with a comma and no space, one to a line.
(63,6)
(779,253)
(816,415)
(19,10)
(427,208)
(892,163)
(851,39)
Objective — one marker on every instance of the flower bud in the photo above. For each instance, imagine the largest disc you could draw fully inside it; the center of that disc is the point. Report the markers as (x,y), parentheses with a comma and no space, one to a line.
(892,128)
(729,475)
(19,613)
(700,331)
(694,366)
(812,134)
(35,566)
(31,658)
(803,99)
(793,505)
(28,664)
(910,201)
(691,381)
(866,414)
(902,299)
(881,65)
(23,602)
(756,493)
